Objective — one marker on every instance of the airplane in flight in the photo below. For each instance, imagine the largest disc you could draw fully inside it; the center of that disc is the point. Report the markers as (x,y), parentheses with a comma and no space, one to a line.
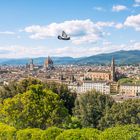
(64,36)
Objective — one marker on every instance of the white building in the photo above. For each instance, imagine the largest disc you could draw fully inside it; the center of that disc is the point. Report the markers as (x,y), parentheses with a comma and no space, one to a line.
(130,90)
(102,87)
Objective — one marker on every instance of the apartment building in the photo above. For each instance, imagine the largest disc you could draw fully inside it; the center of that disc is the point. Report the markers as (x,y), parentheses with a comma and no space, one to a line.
(129,89)
(100,86)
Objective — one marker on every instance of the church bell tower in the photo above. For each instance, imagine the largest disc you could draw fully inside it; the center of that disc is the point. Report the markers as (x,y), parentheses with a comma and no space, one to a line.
(113,77)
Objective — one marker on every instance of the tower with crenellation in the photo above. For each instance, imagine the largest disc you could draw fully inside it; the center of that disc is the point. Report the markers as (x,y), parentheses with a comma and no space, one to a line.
(113,76)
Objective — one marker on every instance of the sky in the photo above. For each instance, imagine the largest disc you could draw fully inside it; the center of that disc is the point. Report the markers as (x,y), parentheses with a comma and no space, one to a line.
(29,28)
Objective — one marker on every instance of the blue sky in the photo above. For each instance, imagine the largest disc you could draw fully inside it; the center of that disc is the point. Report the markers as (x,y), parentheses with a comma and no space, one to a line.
(29,28)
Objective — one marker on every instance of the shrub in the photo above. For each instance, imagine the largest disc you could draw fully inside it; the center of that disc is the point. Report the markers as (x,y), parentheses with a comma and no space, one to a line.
(79,134)
(90,133)
(7,132)
(51,133)
(71,134)
(29,134)
(127,132)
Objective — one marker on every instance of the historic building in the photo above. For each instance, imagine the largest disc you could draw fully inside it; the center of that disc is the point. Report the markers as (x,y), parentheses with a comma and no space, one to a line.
(31,65)
(114,87)
(97,75)
(113,75)
(100,86)
(129,90)
(48,64)
(102,75)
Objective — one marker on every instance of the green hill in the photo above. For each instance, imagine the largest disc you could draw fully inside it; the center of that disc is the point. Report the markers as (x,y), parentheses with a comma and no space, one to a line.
(121,57)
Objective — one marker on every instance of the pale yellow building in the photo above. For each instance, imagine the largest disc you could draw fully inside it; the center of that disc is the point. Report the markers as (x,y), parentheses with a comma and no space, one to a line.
(129,90)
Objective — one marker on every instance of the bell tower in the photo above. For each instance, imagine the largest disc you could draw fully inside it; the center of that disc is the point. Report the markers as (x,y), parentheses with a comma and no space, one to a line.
(31,65)
(113,77)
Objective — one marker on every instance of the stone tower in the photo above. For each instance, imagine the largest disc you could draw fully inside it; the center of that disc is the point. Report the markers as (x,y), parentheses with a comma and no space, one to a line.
(113,77)
(31,64)
(48,64)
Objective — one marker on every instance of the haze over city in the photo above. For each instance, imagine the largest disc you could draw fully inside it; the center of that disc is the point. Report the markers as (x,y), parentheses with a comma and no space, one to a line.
(30,28)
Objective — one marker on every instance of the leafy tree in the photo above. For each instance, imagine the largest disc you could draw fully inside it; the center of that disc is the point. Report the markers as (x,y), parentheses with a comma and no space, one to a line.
(36,108)
(14,88)
(91,106)
(73,123)
(127,112)
(64,94)
(125,80)
(25,84)
(126,132)
(8,91)
(129,81)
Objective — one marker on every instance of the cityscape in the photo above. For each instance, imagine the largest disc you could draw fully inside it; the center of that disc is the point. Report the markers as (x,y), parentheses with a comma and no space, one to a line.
(70,70)
(113,80)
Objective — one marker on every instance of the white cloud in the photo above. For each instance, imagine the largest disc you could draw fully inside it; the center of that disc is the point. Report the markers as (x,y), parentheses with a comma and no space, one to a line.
(101,24)
(137,1)
(136,5)
(106,43)
(87,39)
(109,24)
(106,47)
(133,21)
(119,26)
(99,9)
(7,33)
(17,51)
(82,31)
(118,8)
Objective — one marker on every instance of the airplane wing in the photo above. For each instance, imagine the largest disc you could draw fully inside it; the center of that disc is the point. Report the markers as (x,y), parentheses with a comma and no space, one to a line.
(64,34)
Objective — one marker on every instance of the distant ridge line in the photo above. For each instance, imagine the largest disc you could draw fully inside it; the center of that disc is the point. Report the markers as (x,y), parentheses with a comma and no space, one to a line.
(121,57)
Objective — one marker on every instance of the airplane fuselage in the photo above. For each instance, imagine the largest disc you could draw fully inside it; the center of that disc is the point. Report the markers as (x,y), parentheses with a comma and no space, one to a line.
(63,38)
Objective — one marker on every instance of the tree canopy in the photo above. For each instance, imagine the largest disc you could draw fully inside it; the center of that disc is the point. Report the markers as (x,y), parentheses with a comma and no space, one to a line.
(127,112)
(14,88)
(36,108)
(64,93)
(91,106)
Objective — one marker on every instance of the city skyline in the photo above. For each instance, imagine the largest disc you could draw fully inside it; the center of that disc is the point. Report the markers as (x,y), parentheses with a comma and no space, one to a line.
(30,28)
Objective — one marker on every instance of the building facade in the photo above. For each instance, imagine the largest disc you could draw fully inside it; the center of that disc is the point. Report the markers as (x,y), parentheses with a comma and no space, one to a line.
(48,64)
(102,87)
(31,64)
(129,90)
(102,75)
(98,75)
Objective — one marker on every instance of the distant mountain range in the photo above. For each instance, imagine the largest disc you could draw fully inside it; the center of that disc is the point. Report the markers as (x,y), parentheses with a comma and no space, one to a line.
(121,57)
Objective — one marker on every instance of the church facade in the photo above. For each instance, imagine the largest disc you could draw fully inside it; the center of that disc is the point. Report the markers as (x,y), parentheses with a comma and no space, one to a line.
(102,75)
(48,64)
